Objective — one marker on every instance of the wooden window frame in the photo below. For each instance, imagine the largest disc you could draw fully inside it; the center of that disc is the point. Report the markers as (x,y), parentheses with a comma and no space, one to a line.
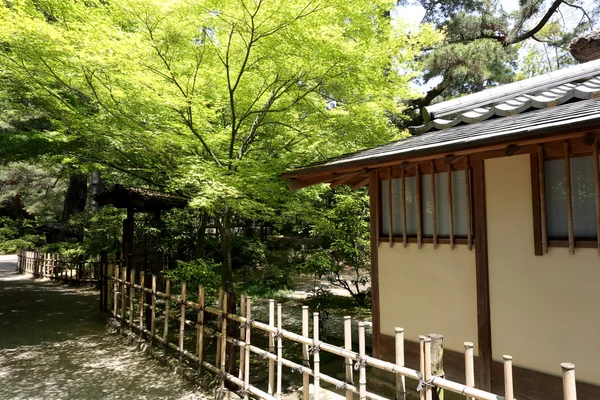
(407,170)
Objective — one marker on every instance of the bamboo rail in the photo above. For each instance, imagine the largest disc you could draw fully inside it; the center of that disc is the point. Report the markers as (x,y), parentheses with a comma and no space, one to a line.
(83,270)
(428,376)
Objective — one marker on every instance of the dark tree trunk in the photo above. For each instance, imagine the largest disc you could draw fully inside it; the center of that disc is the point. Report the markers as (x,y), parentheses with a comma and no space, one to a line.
(96,187)
(201,236)
(76,196)
(227,275)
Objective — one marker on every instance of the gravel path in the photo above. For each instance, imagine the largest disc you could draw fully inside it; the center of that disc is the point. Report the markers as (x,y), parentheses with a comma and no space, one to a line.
(54,345)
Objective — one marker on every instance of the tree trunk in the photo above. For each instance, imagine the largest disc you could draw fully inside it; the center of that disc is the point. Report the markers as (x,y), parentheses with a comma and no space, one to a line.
(76,196)
(227,274)
(96,187)
(201,235)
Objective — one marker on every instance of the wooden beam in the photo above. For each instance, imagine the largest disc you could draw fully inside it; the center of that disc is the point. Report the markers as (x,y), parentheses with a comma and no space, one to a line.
(419,207)
(361,183)
(390,208)
(535,204)
(433,206)
(468,190)
(451,159)
(404,235)
(542,189)
(450,211)
(569,198)
(484,325)
(597,191)
(591,138)
(343,179)
(374,211)
(513,149)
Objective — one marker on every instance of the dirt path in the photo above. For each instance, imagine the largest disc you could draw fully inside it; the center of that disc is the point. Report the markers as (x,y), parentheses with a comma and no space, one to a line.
(54,345)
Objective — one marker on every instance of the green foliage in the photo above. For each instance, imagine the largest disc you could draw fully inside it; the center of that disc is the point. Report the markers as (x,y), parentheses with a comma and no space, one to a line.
(102,230)
(70,250)
(196,273)
(16,235)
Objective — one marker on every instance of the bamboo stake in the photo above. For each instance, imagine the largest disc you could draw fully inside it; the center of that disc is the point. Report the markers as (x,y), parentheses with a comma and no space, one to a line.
(316,357)
(279,351)
(362,376)
(422,365)
(404,233)
(390,208)
(167,310)
(247,348)
(542,189)
(242,335)
(569,198)
(131,296)
(348,346)
(153,320)
(469,366)
(508,378)
(123,302)
(450,206)
(419,207)
(182,318)
(142,294)
(219,322)
(115,290)
(109,274)
(223,338)
(305,356)
(428,391)
(469,205)
(433,206)
(569,387)
(597,191)
(271,348)
(437,361)
(400,379)
(200,331)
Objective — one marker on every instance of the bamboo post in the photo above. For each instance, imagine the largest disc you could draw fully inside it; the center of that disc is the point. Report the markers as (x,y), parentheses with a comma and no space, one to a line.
(123,280)
(421,389)
(508,378)
(279,351)
(109,297)
(247,349)
(153,320)
(569,386)
(271,386)
(428,391)
(362,375)
(348,346)
(437,361)
(220,307)
(200,330)
(104,281)
(182,319)
(316,358)
(400,379)
(223,339)
(167,310)
(131,296)
(115,290)
(569,198)
(142,281)
(469,367)
(305,355)
(242,336)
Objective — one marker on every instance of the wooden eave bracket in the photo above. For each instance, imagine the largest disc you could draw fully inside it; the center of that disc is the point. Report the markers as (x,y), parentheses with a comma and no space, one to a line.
(591,138)
(513,149)
(451,159)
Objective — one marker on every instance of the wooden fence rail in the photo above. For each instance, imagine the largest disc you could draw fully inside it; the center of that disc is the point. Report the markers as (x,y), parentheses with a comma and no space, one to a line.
(127,294)
(56,267)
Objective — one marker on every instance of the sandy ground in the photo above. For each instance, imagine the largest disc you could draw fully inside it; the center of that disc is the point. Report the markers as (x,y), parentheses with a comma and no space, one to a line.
(54,345)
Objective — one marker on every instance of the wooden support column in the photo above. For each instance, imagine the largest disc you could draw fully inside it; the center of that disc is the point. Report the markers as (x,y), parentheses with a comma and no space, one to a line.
(597,191)
(569,198)
(484,326)
(536,204)
(469,200)
(419,207)
(542,189)
(374,209)
(390,208)
(450,207)
(404,235)
(433,206)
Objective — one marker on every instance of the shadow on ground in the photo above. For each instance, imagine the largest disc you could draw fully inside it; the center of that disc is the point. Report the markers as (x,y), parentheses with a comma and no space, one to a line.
(54,345)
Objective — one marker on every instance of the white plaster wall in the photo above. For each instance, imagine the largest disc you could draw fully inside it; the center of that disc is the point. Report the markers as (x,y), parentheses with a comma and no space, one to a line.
(544,309)
(429,291)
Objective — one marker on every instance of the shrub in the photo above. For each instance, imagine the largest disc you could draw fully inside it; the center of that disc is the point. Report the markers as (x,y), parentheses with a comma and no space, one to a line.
(196,273)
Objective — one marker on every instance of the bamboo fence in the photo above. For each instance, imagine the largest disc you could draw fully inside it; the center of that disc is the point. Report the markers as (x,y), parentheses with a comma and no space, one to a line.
(56,267)
(135,303)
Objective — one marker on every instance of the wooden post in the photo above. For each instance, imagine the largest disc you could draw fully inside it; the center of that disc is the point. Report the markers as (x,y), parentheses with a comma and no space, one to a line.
(569,387)
(437,361)
(508,378)
(569,198)
(219,322)
(433,206)
(419,207)
(153,321)
(200,326)
(247,349)
(142,295)
(450,206)
(404,233)
(242,336)
(279,350)
(115,290)
(316,358)
(390,208)
(469,366)
(167,310)
(428,391)
(542,189)
(271,386)
(100,279)
(348,346)
(182,319)
(597,192)
(469,201)
(400,379)
(131,296)
(305,355)
(224,338)
(362,375)
(123,303)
